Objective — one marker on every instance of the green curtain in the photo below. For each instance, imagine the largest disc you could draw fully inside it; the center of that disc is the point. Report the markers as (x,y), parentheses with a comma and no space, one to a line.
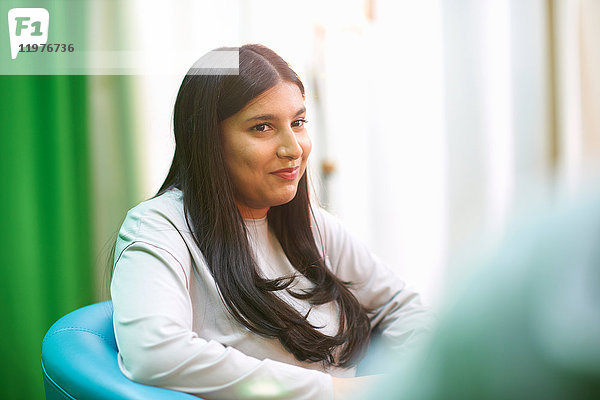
(69,174)
(115,176)
(45,211)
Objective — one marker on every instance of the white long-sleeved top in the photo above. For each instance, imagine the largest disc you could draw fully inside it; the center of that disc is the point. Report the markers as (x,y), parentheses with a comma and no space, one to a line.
(173,330)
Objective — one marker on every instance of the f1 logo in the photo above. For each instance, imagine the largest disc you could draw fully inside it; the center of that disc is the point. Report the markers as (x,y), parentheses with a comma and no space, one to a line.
(27,26)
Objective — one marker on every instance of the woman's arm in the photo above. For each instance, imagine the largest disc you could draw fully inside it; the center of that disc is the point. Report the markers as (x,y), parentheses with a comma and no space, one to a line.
(354,388)
(398,314)
(153,319)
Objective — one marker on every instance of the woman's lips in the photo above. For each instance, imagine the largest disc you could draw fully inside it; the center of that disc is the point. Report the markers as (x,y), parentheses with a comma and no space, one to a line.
(289,174)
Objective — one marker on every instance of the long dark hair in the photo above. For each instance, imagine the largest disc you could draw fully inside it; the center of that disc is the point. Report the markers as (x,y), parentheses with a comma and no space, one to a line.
(198,169)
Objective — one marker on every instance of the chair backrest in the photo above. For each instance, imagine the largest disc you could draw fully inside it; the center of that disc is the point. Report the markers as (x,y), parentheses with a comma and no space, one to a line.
(79,360)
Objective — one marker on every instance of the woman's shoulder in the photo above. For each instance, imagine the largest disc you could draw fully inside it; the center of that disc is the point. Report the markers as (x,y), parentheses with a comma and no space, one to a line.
(325,220)
(330,231)
(161,213)
(166,201)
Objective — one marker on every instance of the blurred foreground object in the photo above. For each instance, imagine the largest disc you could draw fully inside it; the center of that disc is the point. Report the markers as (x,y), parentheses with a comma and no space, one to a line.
(525,326)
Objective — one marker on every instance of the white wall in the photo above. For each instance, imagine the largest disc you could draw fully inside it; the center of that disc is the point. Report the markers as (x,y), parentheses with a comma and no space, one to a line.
(434,112)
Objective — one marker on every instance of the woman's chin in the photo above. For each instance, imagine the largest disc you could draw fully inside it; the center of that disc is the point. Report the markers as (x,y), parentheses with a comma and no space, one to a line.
(285,198)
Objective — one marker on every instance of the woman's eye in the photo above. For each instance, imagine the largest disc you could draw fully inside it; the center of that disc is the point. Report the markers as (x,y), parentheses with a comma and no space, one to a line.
(260,127)
(299,122)
(265,127)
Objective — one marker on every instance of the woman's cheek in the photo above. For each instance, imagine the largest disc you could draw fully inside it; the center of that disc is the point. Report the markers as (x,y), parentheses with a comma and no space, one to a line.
(306,145)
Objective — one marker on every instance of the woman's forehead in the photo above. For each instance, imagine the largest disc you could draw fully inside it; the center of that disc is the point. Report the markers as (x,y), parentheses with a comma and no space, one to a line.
(283,99)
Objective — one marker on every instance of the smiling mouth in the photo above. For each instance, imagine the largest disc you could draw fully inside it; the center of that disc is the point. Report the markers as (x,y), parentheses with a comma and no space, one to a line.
(288,174)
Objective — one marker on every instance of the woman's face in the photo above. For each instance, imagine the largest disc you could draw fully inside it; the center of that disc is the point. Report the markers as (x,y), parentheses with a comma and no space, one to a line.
(266,147)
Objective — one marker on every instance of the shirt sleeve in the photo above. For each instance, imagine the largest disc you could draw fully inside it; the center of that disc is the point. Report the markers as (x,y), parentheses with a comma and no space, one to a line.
(157,346)
(397,313)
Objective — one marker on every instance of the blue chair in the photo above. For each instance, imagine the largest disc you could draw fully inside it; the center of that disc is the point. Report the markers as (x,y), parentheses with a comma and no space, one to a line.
(79,360)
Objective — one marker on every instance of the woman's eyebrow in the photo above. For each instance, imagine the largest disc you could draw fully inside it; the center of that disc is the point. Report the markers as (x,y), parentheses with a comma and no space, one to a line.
(272,116)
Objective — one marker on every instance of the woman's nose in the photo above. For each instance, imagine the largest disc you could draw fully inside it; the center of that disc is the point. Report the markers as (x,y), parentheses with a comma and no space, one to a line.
(289,147)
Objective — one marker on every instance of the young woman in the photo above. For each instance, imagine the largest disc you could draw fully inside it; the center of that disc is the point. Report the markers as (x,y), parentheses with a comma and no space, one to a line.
(229,283)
